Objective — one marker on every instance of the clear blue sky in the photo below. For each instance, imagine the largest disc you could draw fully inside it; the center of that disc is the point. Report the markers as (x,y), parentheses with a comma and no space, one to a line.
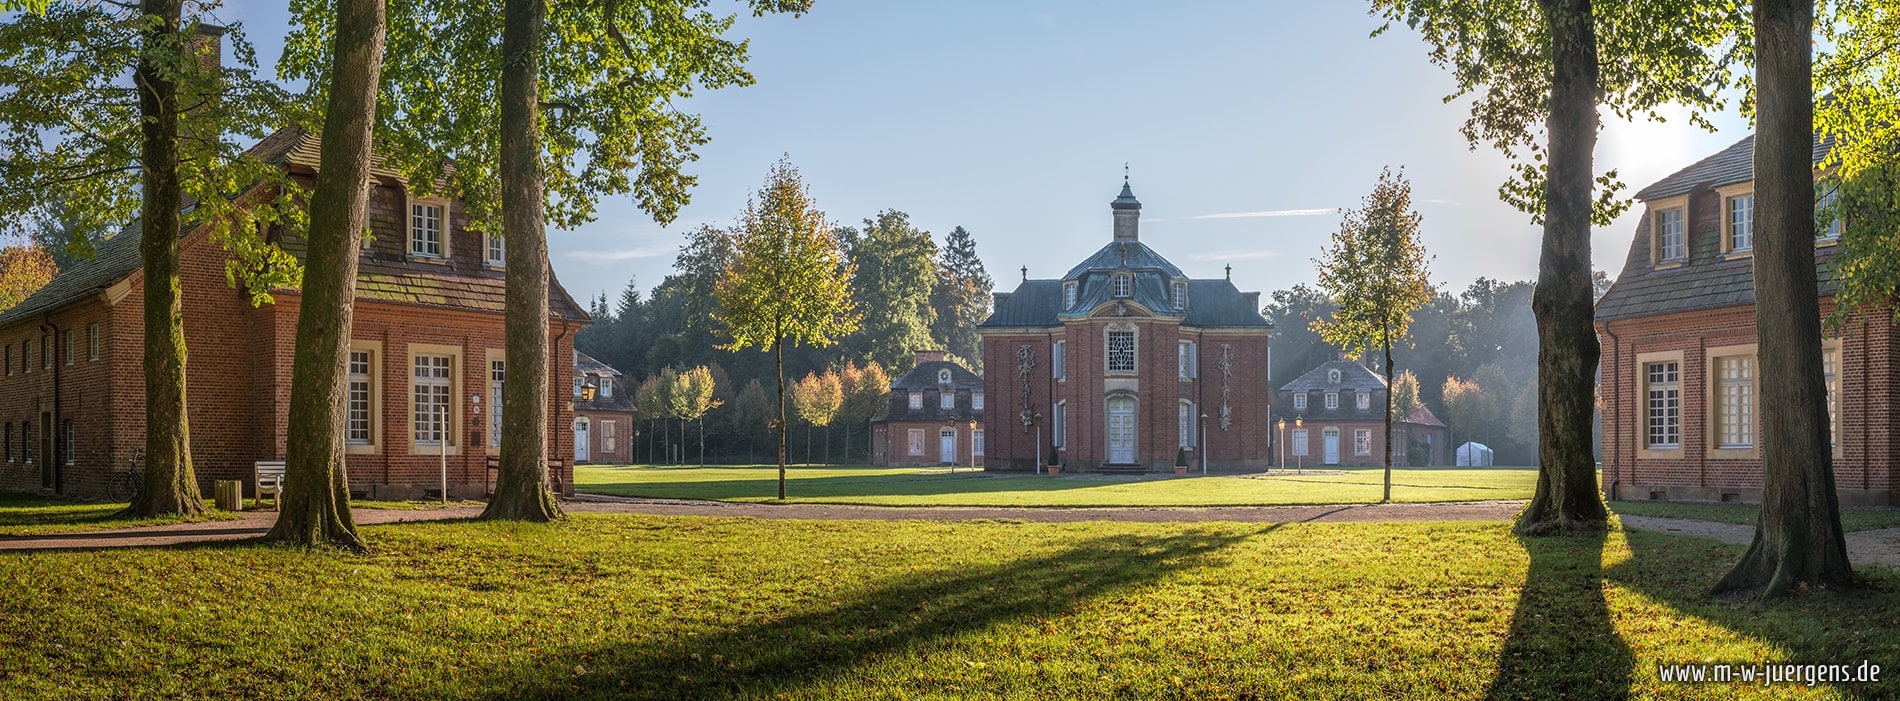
(1245,126)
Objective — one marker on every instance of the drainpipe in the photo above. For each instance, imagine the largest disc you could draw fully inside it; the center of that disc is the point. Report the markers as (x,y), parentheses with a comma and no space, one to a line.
(1616,398)
(556,343)
(59,466)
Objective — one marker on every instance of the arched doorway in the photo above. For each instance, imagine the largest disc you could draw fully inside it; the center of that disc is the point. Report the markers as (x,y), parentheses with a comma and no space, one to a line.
(1121,430)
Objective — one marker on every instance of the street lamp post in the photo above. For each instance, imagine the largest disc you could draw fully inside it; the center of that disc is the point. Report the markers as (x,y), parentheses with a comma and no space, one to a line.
(1203,445)
(1299,422)
(1282,443)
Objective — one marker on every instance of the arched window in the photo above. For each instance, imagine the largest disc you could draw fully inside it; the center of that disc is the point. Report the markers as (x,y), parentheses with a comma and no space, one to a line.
(1068,295)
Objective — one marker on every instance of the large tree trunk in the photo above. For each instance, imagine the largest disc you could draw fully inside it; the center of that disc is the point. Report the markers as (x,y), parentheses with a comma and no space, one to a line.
(171,486)
(521,484)
(1567,498)
(1798,540)
(316,499)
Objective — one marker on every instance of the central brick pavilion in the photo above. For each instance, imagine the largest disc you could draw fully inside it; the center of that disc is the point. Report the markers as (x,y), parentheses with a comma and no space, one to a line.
(1115,363)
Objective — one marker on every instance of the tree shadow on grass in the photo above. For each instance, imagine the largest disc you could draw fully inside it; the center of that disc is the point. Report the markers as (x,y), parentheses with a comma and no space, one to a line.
(1563,643)
(840,486)
(791,653)
(1833,627)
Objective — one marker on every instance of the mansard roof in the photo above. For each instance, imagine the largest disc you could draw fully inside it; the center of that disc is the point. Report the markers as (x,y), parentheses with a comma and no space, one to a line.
(924,376)
(1124,255)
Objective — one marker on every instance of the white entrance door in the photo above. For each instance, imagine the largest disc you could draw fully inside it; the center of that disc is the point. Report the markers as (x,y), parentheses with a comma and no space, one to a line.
(947,446)
(1332,446)
(580,440)
(1121,431)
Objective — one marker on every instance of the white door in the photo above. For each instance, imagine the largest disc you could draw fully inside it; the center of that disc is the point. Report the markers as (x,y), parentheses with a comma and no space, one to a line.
(947,446)
(1332,446)
(1121,431)
(580,440)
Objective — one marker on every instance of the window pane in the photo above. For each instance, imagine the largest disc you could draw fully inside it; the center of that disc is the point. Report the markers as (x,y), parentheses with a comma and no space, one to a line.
(1121,351)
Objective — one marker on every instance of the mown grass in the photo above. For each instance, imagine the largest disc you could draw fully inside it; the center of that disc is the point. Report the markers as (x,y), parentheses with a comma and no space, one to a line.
(22,514)
(1852,519)
(654,607)
(971,487)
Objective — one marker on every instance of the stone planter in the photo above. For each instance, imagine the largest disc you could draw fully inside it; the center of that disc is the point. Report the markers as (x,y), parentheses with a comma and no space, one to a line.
(1055,470)
(1180,470)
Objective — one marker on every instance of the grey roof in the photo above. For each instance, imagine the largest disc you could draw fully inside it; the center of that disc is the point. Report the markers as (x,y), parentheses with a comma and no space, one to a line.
(586,365)
(924,376)
(112,261)
(1033,303)
(1705,280)
(1735,164)
(1211,304)
(1126,200)
(1131,255)
(1352,376)
(593,372)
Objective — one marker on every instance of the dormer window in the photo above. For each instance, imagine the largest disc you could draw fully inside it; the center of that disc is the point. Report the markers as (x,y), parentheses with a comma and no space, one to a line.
(1121,285)
(606,388)
(943,377)
(425,230)
(495,250)
(1827,206)
(1299,402)
(1068,295)
(1671,243)
(1180,294)
(1738,232)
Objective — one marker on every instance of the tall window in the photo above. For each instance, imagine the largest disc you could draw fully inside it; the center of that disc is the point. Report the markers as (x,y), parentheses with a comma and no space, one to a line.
(1121,284)
(1362,441)
(68,333)
(1059,425)
(1670,244)
(92,341)
(431,398)
(66,437)
(1059,361)
(1185,424)
(916,400)
(26,356)
(1332,400)
(46,350)
(947,399)
(1830,226)
(606,387)
(9,440)
(9,359)
(496,249)
(916,437)
(1299,442)
(1831,373)
(976,442)
(1179,289)
(1068,295)
(357,427)
(1299,401)
(976,401)
(1664,397)
(425,230)
(1121,351)
(1185,359)
(1741,223)
(497,369)
(609,437)
(1365,401)
(1735,401)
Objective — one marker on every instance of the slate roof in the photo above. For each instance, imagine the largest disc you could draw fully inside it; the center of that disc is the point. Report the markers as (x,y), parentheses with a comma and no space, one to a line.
(380,276)
(924,376)
(1111,257)
(592,372)
(1705,280)
(1352,376)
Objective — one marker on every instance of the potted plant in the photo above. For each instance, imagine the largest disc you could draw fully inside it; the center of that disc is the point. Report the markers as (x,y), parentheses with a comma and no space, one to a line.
(1180,462)
(1055,461)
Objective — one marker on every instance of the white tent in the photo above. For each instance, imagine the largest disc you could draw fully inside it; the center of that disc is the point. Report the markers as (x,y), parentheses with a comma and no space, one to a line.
(1474,455)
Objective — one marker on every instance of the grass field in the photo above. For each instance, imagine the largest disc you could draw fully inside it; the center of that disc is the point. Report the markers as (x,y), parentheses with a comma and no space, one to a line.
(970,487)
(652,607)
(1852,519)
(29,515)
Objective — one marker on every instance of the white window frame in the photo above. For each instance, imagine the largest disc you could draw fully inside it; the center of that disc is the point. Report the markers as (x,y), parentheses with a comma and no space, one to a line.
(1332,401)
(1178,292)
(419,445)
(367,440)
(1059,425)
(1362,441)
(1669,225)
(1060,360)
(68,334)
(47,350)
(497,372)
(976,442)
(1831,377)
(976,401)
(947,399)
(1068,295)
(1659,396)
(1185,424)
(915,446)
(916,400)
(1831,232)
(606,386)
(418,221)
(1110,360)
(1300,443)
(494,250)
(1299,401)
(1364,401)
(92,340)
(609,438)
(1738,223)
(1121,285)
(1187,360)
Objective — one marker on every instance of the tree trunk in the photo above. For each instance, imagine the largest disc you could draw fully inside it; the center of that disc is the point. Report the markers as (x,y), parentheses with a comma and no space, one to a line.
(808,429)
(1798,540)
(521,485)
(778,362)
(702,440)
(1388,417)
(1567,498)
(171,486)
(316,499)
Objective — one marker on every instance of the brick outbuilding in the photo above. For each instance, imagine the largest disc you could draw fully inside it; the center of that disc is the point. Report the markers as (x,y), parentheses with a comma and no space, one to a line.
(1117,363)
(1680,408)
(933,416)
(1335,415)
(603,413)
(424,373)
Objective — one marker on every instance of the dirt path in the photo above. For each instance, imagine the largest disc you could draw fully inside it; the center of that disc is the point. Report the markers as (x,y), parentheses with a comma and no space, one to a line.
(1881,547)
(256,523)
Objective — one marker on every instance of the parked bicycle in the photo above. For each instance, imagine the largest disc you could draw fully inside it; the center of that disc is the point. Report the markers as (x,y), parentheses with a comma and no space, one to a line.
(127,483)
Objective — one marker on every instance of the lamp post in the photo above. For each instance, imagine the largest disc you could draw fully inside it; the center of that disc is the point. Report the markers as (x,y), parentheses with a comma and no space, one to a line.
(1282,427)
(1299,422)
(1203,444)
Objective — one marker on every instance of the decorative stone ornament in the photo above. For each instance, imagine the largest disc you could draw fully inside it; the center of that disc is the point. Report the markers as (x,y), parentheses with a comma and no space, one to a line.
(1226,365)
(1025,364)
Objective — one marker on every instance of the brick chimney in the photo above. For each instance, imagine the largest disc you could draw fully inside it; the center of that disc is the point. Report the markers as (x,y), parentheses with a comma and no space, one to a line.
(929,356)
(209,47)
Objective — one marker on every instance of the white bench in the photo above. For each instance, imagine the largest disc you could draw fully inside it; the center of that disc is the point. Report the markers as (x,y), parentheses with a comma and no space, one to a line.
(268,475)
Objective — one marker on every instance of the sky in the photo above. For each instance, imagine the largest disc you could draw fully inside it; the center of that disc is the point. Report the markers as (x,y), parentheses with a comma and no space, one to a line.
(1244,127)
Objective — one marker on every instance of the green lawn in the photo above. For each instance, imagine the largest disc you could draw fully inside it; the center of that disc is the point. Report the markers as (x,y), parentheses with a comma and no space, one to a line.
(611,606)
(1852,519)
(22,514)
(971,487)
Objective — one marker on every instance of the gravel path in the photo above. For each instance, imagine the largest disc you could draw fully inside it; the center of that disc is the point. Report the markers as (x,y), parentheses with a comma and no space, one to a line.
(257,523)
(1881,547)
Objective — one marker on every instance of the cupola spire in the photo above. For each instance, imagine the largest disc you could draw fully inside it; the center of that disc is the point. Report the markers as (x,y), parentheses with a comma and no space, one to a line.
(1127,211)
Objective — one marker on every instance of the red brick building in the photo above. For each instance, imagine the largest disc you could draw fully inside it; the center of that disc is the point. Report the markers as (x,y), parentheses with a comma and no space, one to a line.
(1335,415)
(425,365)
(934,416)
(1117,362)
(603,413)
(1680,412)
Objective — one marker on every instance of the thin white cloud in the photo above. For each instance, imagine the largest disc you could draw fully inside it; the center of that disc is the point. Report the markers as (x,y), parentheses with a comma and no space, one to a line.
(1216,256)
(1454,203)
(603,257)
(1266,213)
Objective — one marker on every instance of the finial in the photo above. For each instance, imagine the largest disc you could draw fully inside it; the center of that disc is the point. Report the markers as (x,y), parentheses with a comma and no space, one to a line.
(1025,273)
(1124,251)
(1230,272)
(1124,171)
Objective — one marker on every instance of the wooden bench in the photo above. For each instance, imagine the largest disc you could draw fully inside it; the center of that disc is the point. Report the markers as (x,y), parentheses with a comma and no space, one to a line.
(554,475)
(268,475)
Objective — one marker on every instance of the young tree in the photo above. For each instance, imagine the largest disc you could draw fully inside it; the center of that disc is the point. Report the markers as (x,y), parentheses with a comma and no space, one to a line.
(1550,64)
(961,297)
(1798,538)
(691,397)
(1376,273)
(895,266)
(816,399)
(316,499)
(1470,411)
(1404,391)
(751,415)
(864,392)
(789,281)
(650,400)
(23,271)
